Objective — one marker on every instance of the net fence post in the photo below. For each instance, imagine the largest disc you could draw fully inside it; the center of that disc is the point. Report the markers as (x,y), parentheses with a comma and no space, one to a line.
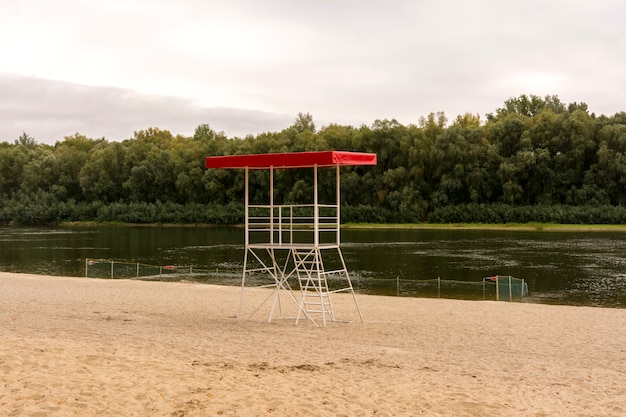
(497,287)
(112,262)
(484,288)
(438,287)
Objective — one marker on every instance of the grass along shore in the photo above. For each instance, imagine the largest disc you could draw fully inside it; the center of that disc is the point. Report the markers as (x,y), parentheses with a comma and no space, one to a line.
(535,226)
(540,227)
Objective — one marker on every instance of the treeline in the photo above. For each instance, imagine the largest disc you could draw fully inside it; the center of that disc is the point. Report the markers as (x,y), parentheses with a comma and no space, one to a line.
(534,159)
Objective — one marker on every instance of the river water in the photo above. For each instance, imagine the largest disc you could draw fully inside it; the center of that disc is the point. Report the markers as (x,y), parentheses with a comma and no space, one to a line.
(574,268)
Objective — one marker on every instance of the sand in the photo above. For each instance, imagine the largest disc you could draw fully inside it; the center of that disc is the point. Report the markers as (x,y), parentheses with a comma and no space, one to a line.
(91,347)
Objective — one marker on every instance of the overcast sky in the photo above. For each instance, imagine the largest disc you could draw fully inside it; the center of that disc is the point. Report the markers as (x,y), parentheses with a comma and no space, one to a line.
(109,68)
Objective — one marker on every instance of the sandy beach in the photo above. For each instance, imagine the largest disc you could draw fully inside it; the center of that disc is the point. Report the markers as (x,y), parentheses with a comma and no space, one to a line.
(91,347)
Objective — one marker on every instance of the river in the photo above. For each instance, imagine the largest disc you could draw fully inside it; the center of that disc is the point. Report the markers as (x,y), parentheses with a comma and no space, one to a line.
(560,267)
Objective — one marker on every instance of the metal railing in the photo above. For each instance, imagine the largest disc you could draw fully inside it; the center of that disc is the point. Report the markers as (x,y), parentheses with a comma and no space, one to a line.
(293,224)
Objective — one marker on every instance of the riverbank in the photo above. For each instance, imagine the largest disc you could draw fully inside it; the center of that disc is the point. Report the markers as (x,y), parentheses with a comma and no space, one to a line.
(75,346)
(541,227)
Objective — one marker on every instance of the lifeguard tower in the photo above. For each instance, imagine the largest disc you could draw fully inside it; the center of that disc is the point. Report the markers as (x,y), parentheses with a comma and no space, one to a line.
(297,245)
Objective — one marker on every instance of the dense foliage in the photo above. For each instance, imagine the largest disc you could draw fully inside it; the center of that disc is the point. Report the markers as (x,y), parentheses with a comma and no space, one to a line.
(534,159)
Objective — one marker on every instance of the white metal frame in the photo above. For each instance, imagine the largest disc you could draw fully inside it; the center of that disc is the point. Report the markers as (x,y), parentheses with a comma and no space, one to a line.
(288,243)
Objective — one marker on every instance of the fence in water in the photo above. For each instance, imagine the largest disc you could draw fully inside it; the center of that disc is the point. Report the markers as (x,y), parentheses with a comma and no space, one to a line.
(117,269)
(498,287)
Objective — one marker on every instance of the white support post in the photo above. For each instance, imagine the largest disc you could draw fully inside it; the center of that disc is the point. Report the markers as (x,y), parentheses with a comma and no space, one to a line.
(246,200)
(246,211)
(290,225)
(243,282)
(338,210)
(316,209)
(271,205)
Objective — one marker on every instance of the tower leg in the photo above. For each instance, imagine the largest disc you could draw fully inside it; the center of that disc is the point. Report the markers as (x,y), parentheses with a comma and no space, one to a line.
(243,283)
(351,288)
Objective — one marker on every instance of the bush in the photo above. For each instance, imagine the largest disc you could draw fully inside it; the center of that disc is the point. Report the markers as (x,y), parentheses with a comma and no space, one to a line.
(43,208)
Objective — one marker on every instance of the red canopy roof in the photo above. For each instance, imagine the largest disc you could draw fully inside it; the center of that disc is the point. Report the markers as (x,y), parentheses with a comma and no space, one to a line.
(291,160)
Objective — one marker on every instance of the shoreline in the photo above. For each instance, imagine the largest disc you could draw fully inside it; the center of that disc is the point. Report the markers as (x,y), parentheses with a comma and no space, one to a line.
(539,227)
(98,347)
(527,300)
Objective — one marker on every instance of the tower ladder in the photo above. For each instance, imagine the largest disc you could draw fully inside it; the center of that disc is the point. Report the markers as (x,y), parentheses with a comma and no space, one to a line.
(315,294)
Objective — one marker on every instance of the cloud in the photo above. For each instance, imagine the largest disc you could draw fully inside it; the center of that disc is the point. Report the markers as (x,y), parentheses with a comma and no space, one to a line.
(50,110)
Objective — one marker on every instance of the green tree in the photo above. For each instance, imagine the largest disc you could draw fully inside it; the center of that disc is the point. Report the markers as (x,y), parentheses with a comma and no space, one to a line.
(304,123)
(608,174)
(71,155)
(103,175)
(26,140)
(528,106)
(12,162)
(41,172)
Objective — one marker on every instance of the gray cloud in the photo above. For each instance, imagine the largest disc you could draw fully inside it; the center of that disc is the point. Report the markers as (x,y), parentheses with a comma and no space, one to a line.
(50,110)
